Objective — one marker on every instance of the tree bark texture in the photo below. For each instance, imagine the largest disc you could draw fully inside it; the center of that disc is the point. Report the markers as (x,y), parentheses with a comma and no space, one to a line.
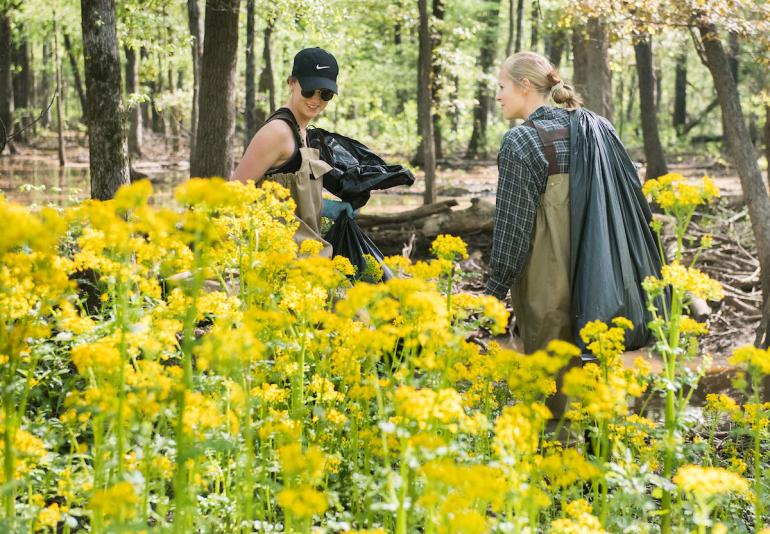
(45,92)
(57,68)
(216,124)
(653,150)
(75,72)
(266,78)
(511,26)
(6,80)
(555,43)
(740,146)
(680,92)
(436,81)
(107,145)
(134,113)
(424,104)
(196,47)
(767,141)
(535,25)
(21,83)
(251,68)
(519,25)
(478,142)
(592,76)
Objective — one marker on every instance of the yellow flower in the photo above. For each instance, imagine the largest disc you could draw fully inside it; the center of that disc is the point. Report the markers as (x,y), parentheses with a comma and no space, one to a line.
(709,482)
(752,357)
(447,247)
(311,247)
(579,520)
(118,501)
(49,517)
(302,502)
(518,428)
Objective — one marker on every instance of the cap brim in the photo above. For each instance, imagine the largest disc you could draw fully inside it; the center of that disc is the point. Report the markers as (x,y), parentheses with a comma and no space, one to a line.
(311,83)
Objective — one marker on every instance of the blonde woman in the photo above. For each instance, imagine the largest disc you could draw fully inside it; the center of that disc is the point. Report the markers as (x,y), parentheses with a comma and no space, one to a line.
(531,245)
(572,240)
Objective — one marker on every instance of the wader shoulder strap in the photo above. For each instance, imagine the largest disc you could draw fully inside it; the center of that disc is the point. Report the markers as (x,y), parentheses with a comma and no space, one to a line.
(547,137)
(287,116)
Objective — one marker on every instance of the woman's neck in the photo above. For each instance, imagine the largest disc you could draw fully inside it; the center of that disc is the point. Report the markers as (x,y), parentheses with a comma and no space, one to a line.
(533,106)
(301,120)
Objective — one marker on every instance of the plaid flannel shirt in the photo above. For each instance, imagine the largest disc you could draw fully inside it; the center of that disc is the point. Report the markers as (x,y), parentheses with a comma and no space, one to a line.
(523,172)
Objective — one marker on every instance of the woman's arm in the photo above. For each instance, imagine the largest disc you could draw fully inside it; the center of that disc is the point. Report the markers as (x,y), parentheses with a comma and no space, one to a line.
(515,210)
(270,147)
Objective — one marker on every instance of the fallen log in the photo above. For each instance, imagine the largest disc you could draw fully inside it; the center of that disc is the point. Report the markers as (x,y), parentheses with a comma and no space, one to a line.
(405,216)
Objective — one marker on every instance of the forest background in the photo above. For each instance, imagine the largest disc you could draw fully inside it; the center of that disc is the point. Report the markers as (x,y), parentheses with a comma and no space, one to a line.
(177,89)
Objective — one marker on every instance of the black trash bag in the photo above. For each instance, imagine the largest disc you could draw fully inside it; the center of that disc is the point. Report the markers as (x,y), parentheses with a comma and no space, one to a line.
(356,169)
(347,239)
(613,248)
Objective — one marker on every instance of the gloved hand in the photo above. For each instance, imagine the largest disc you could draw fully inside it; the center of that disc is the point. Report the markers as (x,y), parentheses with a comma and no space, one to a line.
(332,208)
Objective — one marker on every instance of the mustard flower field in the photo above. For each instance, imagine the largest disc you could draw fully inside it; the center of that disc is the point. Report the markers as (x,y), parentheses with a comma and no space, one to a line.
(190,369)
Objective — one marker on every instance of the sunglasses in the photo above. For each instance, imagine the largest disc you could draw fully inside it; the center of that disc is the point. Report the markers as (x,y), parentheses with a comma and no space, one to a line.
(326,94)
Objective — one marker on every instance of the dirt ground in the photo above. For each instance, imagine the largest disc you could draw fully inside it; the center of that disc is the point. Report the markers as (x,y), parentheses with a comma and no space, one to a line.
(33,177)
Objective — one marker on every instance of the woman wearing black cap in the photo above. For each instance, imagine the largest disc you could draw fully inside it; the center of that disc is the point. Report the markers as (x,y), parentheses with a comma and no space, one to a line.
(279,149)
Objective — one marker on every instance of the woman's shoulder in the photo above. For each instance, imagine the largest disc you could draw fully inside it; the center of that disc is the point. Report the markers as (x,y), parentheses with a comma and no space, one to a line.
(520,140)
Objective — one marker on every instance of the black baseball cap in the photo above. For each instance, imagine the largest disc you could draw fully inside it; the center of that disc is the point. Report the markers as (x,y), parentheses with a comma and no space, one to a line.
(315,68)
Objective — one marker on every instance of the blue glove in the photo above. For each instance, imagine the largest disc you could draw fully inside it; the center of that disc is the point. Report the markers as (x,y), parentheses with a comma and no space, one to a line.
(333,208)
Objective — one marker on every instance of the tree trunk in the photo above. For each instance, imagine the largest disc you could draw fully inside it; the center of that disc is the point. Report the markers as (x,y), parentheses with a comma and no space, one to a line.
(680,92)
(172,118)
(732,58)
(107,144)
(519,24)
(555,43)
(196,46)
(57,67)
(740,146)
(216,126)
(75,73)
(134,113)
(592,76)
(266,78)
(45,84)
(6,81)
(478,142)
(251,67)
(535,22)
(424,104)
(21,83)
(511,26)
(767,141)
(436,35)
(653,150)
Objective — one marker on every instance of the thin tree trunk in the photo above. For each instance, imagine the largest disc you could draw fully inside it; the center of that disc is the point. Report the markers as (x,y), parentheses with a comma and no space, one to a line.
(196,46)
(171,115)
(107,144)
(266,78)
(57,67)
(436,37)
(555,43)
(45,84)
(511,26)
(519,24)
(424,103)
(732,58)
(478,142)
(75,73)
(216,126)
(535,25)
(251,67)
(744,157)
(134,113)
(592,76)
(680,92)
(145,106)
(21,82)
(6,81)
(653,150)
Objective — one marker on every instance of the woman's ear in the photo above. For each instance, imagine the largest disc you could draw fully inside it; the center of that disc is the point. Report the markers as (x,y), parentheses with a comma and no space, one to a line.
(525,85)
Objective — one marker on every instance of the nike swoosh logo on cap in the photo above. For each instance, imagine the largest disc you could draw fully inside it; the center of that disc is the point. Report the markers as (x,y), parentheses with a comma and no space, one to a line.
(319,67)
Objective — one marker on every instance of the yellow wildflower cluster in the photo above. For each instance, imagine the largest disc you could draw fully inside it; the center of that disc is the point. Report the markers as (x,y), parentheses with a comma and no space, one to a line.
(447,247)
(675,195)
(579,520)
(709,482)
(752,357)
